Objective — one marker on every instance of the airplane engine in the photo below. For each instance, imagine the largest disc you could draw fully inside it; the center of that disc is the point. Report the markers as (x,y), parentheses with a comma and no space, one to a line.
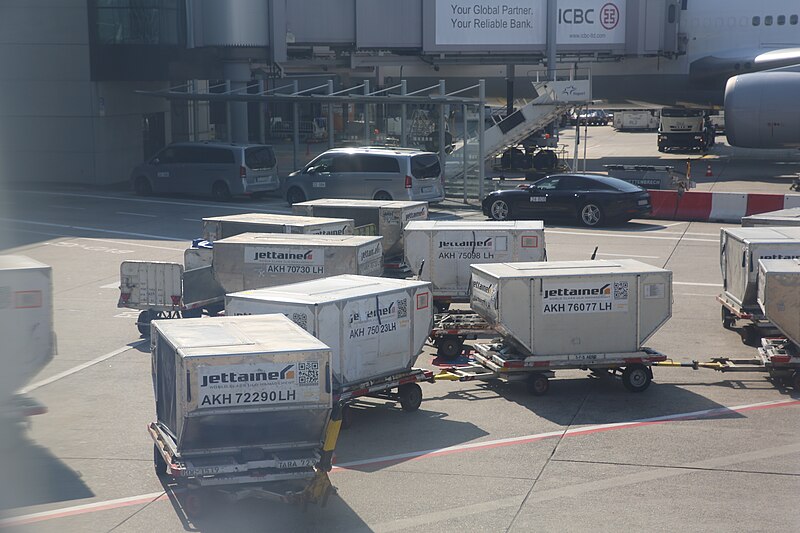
(762,110)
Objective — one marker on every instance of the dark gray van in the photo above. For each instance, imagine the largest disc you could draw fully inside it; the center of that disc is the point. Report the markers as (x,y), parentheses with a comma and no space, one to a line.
(213,169)
(368,173)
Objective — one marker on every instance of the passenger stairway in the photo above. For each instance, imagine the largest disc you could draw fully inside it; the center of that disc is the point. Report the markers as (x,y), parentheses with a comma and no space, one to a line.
(553,99)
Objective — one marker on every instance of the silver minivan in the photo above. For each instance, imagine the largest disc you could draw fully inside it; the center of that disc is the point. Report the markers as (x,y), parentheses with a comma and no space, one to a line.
(369,173)
(219,170)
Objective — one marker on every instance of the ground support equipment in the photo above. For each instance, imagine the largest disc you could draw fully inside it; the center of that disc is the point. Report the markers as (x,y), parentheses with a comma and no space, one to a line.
(452,328)
(402,387)
(750,322)
(498,361)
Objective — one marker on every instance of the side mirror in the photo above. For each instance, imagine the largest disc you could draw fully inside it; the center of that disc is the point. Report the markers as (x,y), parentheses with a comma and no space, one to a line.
(310,170)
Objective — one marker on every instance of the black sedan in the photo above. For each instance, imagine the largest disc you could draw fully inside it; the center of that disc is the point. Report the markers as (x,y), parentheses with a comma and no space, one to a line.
(592,199)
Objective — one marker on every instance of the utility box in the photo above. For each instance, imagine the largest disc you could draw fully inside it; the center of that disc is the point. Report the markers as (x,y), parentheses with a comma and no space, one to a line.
(573,307)
(740,251)
(779,295)
(388,218)
(215,228)
(782,217)
(26,321)
(444,250)
(374,326)
(256,260)
(235,382)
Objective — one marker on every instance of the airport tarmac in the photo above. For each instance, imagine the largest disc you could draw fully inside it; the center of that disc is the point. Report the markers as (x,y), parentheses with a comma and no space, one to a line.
(698,451)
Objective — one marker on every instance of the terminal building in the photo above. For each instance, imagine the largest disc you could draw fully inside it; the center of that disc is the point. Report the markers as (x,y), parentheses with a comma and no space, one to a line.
(87,83)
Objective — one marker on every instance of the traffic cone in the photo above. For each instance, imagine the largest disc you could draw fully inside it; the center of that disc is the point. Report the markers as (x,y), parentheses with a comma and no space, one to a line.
(709,174)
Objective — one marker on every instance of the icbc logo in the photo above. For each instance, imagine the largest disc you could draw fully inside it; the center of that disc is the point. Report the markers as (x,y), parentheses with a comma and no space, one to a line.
(609,16)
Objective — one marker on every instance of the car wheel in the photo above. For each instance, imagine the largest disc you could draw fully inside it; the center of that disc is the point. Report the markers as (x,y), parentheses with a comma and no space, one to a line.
(220,192)
(590,215)
(142,186)
(383,196)
(500,210)
(295,195)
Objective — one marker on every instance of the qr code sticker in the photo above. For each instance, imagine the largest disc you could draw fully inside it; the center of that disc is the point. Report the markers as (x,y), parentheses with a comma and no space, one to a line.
(308,373)
(301,319)
(620,290)
(402,308)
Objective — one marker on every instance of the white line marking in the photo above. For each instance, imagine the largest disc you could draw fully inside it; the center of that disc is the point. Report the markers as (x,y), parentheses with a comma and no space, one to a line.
(68,207)
(160,496)
(690,283)
(114,285)
(151,201)
(626,255)
(628,236)
(193,219)
(136,214)
(128,243)
(99,230)
(673,224)
(61,375)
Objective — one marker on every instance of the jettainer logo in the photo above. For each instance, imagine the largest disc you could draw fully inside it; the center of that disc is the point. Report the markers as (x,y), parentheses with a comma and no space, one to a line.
(287,373)
(584,297)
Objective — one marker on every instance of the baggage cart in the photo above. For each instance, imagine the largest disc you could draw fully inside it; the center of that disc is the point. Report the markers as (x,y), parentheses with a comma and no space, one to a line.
(244,410)
(750,322)
(452,328)
(165,290)
(500,361)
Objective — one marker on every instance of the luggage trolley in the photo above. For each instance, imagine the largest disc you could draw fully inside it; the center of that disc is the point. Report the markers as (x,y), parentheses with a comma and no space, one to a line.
(402,387)
(498,361)
(451,329)
(750,322)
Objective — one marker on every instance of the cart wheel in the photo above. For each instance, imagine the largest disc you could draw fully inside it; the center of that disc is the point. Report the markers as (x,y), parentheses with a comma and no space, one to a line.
(796,380)
(636,378)
(143,322)
(410,396)
(347,417)
(727,318)
(751,336)
(450,347)
(538,384)
(159,462)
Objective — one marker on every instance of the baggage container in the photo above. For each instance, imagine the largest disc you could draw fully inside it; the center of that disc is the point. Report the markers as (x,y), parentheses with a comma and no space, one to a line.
(256,260)
(232,383)
(573,307)
(388,217)
(445,250)
(26,322)
(374,326)
(782,217)
(216,228)
(740,251)
(779,295)
(199,255)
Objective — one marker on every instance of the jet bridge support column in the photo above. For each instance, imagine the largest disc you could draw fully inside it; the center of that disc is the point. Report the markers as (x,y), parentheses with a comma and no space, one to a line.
(441,128)
(552,30)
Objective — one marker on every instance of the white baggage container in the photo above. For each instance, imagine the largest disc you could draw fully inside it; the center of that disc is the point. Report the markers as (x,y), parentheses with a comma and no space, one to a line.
(197,258)
(236,382)
(256,260)
(374,326)
(26,321)
(388,217)
(447,249)
(782,217)
(573,307)
(215,228)
(779,295)
(740,251)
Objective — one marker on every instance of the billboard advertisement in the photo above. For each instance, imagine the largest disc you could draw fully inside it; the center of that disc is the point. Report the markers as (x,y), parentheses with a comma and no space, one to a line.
(504,22)
(591,22)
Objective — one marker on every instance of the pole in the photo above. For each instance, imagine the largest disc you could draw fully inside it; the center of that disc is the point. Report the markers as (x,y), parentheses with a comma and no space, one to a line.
(585,142)
(509,89)
(481,128)
(295,127)
(262,118)
(366,114)
(403,115)
(330,117)
(464,149)
(577,141)
(552,30)
(228,125)
(442,151)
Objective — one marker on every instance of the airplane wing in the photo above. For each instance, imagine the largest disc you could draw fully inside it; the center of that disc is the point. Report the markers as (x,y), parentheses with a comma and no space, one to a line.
(733,62)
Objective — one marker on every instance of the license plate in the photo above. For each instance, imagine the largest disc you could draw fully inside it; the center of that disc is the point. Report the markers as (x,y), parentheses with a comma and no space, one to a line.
(318,184)
(295,463)
(642,202)
(427,189)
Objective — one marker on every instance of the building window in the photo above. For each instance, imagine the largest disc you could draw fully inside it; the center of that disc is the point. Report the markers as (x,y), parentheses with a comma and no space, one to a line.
(768,20)
(793,20)
(152,22)
(781,20)
(756,21)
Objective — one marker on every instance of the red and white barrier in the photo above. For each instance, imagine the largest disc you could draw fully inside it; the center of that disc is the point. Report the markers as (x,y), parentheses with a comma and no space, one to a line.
(716,206)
